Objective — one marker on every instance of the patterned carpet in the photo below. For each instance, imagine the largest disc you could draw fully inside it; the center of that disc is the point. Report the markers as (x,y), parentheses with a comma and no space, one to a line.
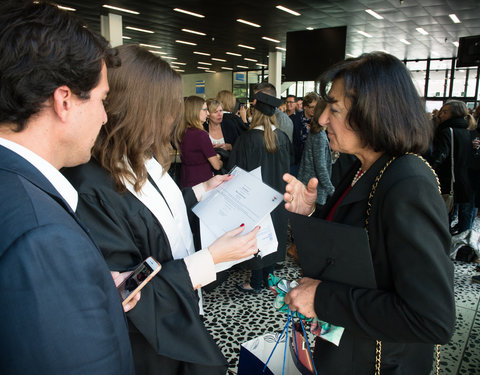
(233,317)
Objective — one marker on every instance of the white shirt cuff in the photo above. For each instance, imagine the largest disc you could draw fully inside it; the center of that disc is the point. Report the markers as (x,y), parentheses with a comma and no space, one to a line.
(199,190)
(201,268)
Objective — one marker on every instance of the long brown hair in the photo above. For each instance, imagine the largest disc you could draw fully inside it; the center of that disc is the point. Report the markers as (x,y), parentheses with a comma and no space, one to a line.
(260,119)
(193,106)
(143,106)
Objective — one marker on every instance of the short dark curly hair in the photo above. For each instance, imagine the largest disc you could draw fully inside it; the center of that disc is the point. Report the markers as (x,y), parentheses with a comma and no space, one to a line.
(385,109)
(43,48)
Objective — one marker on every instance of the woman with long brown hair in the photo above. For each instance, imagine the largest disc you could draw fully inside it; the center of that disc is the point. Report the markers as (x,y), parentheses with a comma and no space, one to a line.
(134,210)
(196,150)
(265,146)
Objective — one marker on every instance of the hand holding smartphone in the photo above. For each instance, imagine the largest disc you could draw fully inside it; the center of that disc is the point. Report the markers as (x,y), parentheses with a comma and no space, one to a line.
(138,279)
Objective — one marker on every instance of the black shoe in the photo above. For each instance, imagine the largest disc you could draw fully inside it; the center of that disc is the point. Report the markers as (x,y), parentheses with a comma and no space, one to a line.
(241,287)
(476,279)
(477,268)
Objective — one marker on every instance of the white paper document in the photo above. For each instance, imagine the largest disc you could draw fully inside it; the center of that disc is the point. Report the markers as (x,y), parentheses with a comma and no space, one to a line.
(243,199)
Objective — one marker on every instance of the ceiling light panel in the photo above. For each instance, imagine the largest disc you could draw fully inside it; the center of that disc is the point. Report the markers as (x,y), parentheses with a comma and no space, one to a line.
(62,7)
(193,32)
(185,42)
(120,9)
(270,39)
(149,45)
(226,68)
(374,14)
(189,13)
(454,18)
(364,33)
(245,46)
(201,53)
(285,9)
(216,59)
(204,63)
(233,53)
(138,29)
(248,23)
(422,31)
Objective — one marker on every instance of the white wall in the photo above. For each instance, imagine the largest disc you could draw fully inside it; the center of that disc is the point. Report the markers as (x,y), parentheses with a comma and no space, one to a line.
(214,82)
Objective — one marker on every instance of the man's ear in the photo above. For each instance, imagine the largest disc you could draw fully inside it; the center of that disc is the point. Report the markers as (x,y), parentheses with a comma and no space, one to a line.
(62,101)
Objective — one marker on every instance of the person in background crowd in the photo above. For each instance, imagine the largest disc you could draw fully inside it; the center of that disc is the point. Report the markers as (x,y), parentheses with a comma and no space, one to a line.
(229,103)
(299,105)
(453,115)
(380,119)
(317,157)
(284,123)
(291,103)
(135,210)
(265,146)
(301,122)
(196,150)
(62,313)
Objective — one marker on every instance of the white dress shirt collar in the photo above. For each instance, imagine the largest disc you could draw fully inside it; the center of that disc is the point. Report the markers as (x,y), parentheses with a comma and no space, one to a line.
(59,182)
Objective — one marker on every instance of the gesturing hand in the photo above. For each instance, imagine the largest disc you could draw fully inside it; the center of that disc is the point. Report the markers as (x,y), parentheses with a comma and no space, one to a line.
(299,199)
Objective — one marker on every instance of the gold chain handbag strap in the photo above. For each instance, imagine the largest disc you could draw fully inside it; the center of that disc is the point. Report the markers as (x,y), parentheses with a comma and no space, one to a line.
(378,346)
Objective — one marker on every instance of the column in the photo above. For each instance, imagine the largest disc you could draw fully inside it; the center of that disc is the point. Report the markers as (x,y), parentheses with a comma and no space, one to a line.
(275,71)
(111,29)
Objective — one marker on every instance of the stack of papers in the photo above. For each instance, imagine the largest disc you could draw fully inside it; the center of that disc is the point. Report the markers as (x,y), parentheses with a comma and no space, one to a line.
(244,199)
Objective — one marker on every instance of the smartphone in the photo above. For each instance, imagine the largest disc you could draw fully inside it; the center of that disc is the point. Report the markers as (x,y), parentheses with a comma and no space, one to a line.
(138,279)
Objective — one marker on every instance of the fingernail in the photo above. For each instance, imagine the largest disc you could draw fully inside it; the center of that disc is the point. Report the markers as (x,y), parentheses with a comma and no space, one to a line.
(229,175)
(259,227)
(242,225)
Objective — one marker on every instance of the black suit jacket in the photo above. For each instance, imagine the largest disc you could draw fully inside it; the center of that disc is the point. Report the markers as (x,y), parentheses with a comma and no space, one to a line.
(61,312)
(413,306)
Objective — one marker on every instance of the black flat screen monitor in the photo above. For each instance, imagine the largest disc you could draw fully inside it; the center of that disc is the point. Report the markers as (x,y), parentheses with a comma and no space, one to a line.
(468,51)
(311,52)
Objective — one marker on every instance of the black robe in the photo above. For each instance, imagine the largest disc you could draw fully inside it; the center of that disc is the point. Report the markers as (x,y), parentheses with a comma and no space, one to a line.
(165,328)
(249,153)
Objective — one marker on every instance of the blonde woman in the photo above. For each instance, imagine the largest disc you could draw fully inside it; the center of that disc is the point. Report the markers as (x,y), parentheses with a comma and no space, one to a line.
(265,146)
(196,150)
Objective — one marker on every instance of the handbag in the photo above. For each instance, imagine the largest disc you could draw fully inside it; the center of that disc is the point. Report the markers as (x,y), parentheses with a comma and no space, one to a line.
(449,198)
(259,355)
(378,346)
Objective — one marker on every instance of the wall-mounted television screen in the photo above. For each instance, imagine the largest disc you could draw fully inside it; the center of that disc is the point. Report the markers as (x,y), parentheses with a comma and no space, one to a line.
(311,52)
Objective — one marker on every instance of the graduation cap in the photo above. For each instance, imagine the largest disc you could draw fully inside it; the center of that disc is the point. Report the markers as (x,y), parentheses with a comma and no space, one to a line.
(266,103)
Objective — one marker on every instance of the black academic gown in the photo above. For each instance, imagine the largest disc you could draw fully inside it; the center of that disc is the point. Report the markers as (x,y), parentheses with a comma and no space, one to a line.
(165,328)
(249,153)
(413,306)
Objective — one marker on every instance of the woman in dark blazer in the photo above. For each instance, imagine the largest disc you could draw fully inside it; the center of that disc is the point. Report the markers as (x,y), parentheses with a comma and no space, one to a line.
(380,119)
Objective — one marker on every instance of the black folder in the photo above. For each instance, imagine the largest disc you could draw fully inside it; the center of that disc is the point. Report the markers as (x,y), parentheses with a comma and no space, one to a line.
(333,251)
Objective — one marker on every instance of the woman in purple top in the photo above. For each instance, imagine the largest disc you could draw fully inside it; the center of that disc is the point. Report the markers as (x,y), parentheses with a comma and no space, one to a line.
(196,150)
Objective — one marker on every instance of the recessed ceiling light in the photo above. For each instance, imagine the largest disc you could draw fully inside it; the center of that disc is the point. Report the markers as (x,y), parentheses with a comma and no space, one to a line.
(373,13)
(204,63)
(364,33)
(149,45)
(248,23)
(422,31)
(126,37)
(120,9)
(221,60)
(261,64)
(270,39)
(66,8)
(178,63)
(169,57)
(242,66)
(157,52)
(405,41)
(455,44)
(194,32)
(454,18)
(233,53)
(309,28)
(202,67)
(285,9)
(179,70)
(137,29)
(184,42)
(189,13)
(245,46)
(226,68)
(248,59)
(210,71)
(201,53)
(281,48)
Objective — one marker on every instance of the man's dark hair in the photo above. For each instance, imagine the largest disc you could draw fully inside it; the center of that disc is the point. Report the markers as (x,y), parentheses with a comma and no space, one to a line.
(266,88)
(43,48)
(385,108)
(292,96)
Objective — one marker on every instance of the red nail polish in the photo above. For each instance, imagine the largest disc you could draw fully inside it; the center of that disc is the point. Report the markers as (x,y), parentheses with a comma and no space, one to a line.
(242,225)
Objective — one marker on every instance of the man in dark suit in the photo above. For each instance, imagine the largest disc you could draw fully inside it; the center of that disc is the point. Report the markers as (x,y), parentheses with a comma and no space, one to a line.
(61,312)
